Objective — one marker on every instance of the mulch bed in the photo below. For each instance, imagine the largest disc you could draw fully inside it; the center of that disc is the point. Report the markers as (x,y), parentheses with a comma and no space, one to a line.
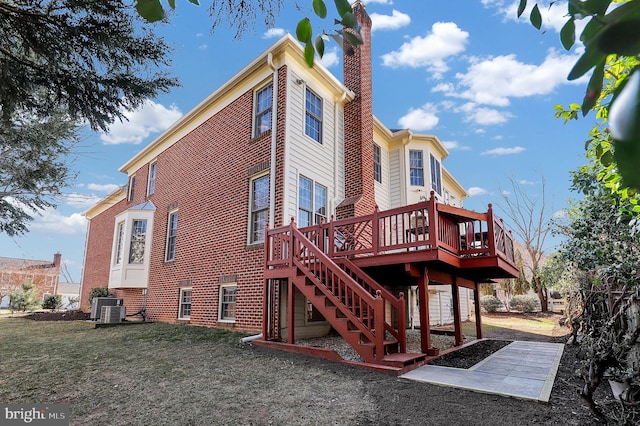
(58,316)
(469,356)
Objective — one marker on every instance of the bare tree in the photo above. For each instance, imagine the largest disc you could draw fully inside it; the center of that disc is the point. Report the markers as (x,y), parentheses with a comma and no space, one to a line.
(531,225)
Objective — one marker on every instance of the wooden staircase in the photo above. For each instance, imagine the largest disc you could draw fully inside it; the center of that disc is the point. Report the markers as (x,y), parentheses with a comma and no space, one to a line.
(353,303)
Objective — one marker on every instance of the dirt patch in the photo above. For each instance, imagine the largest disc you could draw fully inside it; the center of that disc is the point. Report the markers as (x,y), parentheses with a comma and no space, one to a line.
(58,316)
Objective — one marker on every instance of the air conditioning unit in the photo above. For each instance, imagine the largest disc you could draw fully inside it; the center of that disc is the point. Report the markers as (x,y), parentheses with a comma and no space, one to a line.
(98,302)
(112,314)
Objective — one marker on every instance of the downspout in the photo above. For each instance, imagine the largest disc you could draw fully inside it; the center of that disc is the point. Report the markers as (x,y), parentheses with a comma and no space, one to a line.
(272,176)
(336,136)
(274,134)
(84,262)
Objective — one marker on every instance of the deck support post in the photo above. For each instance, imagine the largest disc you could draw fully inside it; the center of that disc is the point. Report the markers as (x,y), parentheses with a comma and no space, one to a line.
(476,301)
(291,296)
(425,325)
(457,321)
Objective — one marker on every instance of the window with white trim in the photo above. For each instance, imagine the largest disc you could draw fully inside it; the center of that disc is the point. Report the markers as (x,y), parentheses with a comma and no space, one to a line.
(172,232)
(119,244)
(313,116)
(312,202)
(138,239)
(436,176)
(259,208)
(184,309)
(151,186)
(377,163)
(132,188)
(416,168)
(227,308)
(262,110)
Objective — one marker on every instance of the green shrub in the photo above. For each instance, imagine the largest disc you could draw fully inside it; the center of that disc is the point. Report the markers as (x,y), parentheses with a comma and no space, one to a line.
(24,299)
(99,292)
(523,303)
(490,303)
(52,301)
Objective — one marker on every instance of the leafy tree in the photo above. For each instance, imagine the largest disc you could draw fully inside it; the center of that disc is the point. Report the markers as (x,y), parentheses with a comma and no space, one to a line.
(241,14)
(609,37)
(531,227)
(65,63)
(34,167)
(24,299)
(601,242)
(91,59)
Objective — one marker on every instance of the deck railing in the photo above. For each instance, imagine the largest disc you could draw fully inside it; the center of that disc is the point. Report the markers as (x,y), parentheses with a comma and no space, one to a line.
(421,226)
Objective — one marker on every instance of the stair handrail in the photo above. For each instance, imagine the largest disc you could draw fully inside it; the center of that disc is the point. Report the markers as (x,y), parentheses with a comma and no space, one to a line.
(376,303)
(397,303)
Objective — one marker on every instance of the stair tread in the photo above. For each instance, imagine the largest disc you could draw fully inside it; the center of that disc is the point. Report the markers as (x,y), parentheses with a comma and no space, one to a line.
(407,356)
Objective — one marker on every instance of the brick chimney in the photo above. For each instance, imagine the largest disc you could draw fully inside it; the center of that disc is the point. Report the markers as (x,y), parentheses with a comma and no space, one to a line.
(358,125)
(56,259)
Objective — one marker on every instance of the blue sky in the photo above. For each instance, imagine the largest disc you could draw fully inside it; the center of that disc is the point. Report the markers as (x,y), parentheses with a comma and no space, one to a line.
(467,71)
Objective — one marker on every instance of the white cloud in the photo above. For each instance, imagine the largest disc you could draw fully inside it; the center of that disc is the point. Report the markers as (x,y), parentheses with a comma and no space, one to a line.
(377,1)
(389,22)
(50,220)
(504,151)
(525,182)
(451,145)
(150,118)
(487,116)
(430,51)
(420,119)
(330,58)
(108,187)
(274,33)
(83,201)
(554,14)
(476,190)
(203,47)
(494,80)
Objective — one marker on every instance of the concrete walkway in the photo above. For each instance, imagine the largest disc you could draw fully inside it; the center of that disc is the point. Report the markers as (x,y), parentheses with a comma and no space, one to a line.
(521,369)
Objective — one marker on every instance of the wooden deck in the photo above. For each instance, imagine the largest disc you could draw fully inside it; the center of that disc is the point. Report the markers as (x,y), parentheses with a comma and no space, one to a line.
(347,269)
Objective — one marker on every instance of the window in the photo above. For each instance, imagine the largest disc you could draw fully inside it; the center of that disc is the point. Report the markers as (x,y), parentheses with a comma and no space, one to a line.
(172,231)
(119,243)
(313,116)
(151,187)
(416,168)
(377,163)
(263,103)
(227,303)
(259,208)
(184,310)
(312,202)
(436,179)
(132,188)
(138,237)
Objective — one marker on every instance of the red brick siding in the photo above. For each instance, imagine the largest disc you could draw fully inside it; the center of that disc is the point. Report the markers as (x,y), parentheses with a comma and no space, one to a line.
(98,254)
(358,125)
(206,176)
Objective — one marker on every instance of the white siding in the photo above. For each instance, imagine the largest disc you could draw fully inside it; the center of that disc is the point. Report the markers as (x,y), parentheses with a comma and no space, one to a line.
(305,156)
(383,199)
(395,178)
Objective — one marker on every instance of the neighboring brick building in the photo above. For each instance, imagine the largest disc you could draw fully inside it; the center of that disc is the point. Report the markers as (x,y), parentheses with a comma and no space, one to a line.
(185,239)
(41,273)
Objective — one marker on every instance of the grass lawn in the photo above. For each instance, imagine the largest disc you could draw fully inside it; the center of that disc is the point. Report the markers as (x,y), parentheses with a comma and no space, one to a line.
(171,374)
